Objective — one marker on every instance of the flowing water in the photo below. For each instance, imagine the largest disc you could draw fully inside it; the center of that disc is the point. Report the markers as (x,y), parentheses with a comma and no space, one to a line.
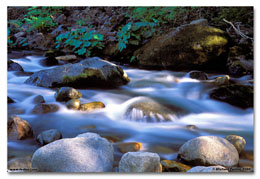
(210,117)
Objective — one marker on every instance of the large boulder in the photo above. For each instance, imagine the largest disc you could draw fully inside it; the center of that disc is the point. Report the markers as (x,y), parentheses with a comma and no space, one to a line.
(209,150)
(133,162)
(91,72)
(238,95)
(191,46)
(85,153)
(19,128)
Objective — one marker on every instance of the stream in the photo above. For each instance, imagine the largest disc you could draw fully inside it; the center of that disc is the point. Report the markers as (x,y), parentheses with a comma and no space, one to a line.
(203,116)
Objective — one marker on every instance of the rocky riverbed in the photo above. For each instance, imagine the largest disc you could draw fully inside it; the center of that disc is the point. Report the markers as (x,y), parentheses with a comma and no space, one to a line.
(131,120)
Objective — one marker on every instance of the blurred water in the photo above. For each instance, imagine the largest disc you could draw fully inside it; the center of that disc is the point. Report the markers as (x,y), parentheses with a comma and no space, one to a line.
(211,117)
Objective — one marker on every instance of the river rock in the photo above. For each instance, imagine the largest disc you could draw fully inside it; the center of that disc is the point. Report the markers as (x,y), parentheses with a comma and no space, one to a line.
(210,169)
(66,57)
(44,108)
(38,99)
(48,136)
(209,150)
(238,141)
(10,100)
(19,128)
(20,163)
(222,80)
(73,104)
(191,46)
(148,110)
(199,75)
(89,107)
(173,166)
(134,162)
(238,95)
(84,153)
(67,93)
(13,66)
(91,72)
(129,147)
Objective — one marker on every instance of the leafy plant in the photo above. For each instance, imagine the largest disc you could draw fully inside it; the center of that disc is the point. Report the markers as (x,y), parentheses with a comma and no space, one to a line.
(40,18)
(133,33)
(152,14)
(82,41)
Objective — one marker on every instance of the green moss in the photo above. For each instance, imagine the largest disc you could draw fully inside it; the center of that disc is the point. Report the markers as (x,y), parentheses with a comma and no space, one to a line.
(215,40)
(86,74)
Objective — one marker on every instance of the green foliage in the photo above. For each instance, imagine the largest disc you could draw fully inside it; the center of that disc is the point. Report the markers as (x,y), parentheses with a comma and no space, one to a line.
(133,33)
(144,23)
(40,18)
(81,41)
(152,14)
(10,43)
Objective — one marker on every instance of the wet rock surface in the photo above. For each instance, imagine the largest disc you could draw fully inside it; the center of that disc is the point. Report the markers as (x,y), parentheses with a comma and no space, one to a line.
(85,153)
(48,136)
(209,150)
(19,128)
(136,162)
(91,72)
(67,93)
(238,95)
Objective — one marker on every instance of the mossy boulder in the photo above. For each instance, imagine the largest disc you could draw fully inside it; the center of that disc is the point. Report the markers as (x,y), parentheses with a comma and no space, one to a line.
(238,95)
(192,46)
(91,72)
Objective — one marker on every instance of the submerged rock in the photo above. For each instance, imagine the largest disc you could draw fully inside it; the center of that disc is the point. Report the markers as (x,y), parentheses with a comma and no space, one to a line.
(44,108)
(38,99)
(238,141)
(210,169)
(19,128)
(192,46)
(209,150)
(91,72)
(89,107)
(48,136)
(73,104)
(129,147)
(173,166)
(133,162)
(84,153)
(238,95)
(67,93)
(148,110)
